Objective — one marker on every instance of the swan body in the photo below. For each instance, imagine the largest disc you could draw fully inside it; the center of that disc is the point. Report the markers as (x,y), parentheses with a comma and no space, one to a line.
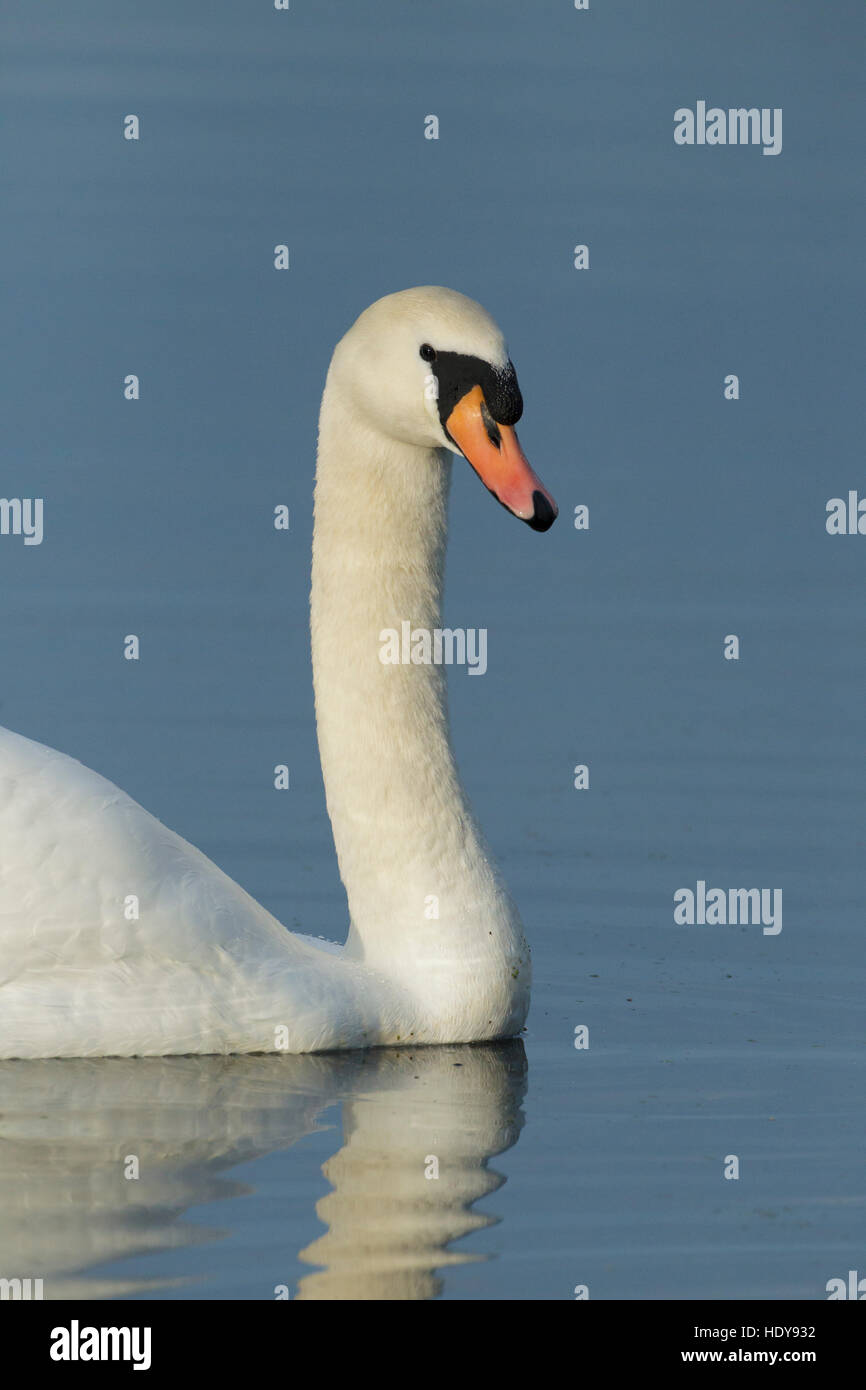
(197,966)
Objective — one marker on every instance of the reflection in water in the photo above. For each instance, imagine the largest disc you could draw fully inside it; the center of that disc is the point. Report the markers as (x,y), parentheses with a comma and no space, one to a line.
(67,1127)
(450,1108)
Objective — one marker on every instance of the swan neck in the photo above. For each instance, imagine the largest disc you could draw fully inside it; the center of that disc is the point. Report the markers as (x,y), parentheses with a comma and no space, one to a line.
(418,878)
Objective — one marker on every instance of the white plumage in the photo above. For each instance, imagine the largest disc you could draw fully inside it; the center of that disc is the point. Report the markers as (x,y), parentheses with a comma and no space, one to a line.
(202,967)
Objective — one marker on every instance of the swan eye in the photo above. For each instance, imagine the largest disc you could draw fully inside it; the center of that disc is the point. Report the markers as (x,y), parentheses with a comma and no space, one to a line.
(427,352)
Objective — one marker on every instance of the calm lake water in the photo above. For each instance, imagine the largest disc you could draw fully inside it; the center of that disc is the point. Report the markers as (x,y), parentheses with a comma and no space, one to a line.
(558,1166)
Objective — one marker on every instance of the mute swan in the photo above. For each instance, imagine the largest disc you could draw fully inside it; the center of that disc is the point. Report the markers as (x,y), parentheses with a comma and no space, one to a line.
(204,968)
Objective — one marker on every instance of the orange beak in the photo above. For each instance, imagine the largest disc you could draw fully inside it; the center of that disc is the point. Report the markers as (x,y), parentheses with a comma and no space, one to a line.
(495,453)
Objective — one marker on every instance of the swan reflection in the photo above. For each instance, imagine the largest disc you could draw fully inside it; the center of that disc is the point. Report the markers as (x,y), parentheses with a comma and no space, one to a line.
(418,1130)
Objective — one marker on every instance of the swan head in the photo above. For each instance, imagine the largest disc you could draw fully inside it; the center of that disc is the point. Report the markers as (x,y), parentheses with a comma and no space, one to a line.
(430,368)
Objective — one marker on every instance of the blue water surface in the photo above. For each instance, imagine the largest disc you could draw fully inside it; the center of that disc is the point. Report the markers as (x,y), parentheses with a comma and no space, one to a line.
(560,1167)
